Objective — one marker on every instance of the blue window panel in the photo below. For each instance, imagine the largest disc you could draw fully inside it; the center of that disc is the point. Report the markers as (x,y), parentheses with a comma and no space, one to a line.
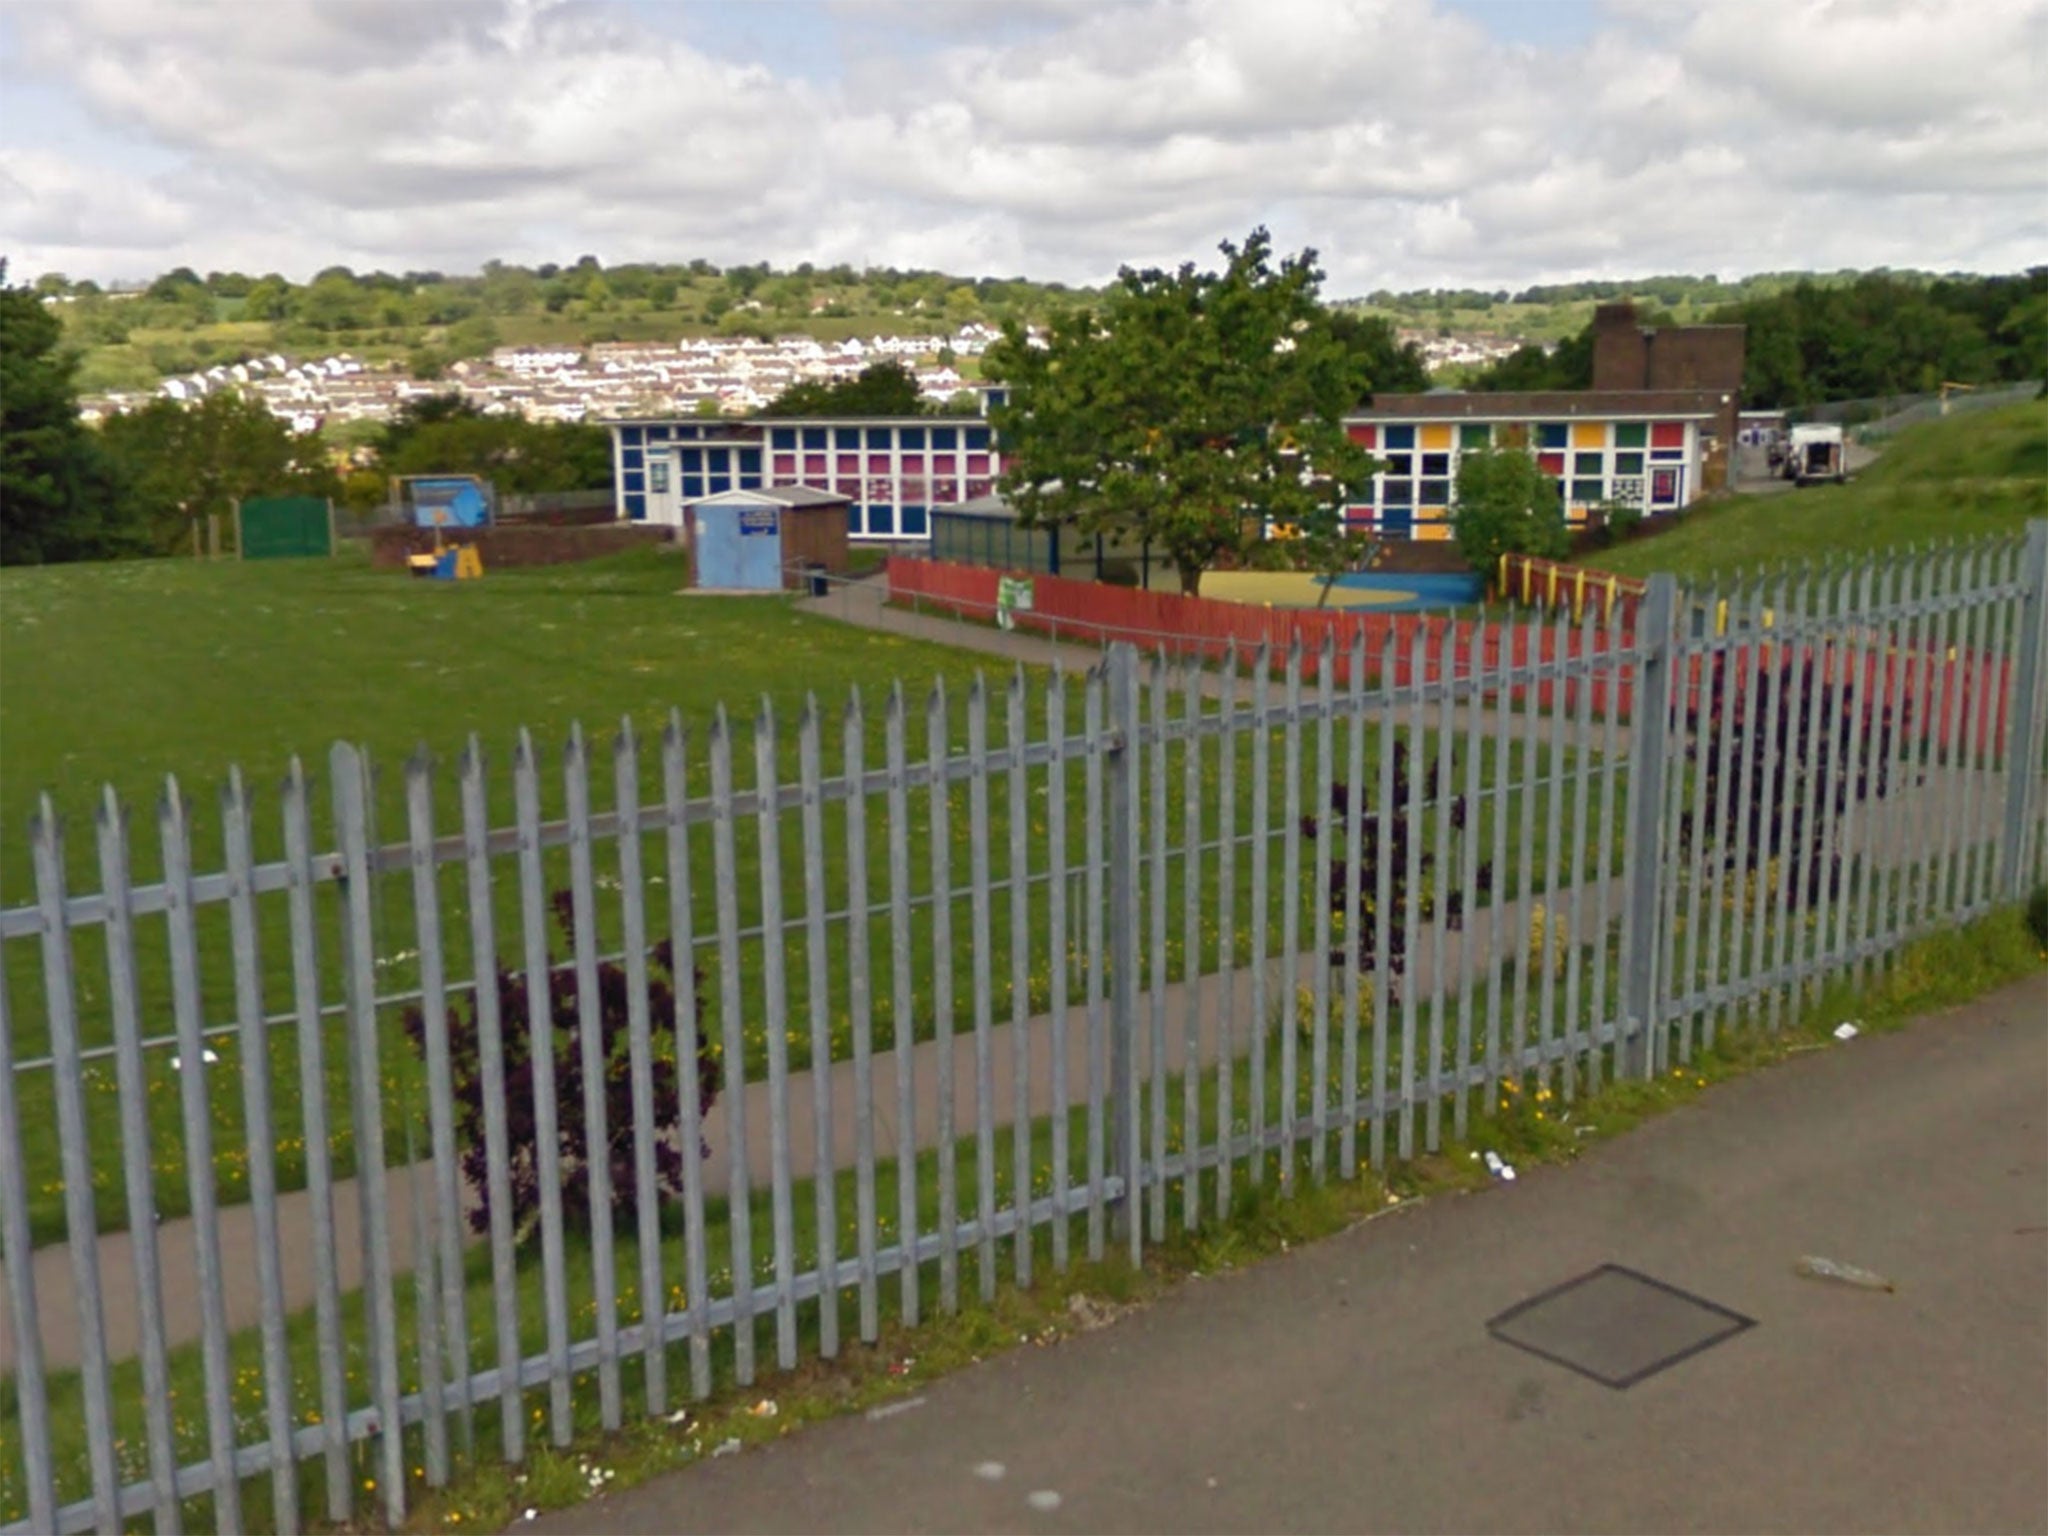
(815,437)
(1398,521)
(693,487)
(751,480)
(693,460)
(1436,493)
(635,480)
(660,434)
(1669,455)
(853,519)
(636,508)
(629,436)
(977,437)
(881,437)
(629,458)
(782,437)
(913,521)
(1400,437)
(945,437)
(718,483)
(1553,434)
(1398,493)
(717,461)
(881,518)
(750,461)
(913,437)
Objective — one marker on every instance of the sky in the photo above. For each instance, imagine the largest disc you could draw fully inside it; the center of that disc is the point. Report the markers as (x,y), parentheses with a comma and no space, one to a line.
(1412,143)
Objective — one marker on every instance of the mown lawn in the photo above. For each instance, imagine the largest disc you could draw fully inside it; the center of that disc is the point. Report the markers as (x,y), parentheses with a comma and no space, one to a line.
(1962,478)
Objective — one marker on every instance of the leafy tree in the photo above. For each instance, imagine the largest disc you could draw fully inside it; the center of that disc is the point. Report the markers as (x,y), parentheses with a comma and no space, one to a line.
(1506,505)
(1190,410)
(444,435)
(56,487)
(180,462)
(1569,365)
(880,389)
(1391,367)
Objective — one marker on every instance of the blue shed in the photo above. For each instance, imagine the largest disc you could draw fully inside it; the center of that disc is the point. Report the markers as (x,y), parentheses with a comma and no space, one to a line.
(765,540)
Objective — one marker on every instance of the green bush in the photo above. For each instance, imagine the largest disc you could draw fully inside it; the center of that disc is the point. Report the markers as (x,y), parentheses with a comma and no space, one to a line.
(2037,915)
(1507,505)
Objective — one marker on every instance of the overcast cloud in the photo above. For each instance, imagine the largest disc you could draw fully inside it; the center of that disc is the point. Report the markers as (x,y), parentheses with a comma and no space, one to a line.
(1413,142)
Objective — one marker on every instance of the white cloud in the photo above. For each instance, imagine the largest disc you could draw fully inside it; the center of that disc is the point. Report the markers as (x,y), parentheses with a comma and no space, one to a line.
(1042,136)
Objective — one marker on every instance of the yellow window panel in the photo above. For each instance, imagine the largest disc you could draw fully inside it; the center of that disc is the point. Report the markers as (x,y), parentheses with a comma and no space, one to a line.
(1589,434)
(1432,532)
(1437,437)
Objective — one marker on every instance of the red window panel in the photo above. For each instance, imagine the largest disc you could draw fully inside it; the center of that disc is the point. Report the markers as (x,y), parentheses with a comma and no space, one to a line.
(1364,436)
(1667,434)
(1550,463)
(913,464)
(977,463)
(785,464)
(814,465)
(977,488)
(878,464)
(849,464)
(942,464)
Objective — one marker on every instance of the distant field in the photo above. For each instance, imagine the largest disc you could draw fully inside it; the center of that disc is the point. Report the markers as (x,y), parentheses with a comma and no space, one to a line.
(122,673)
(1960,478)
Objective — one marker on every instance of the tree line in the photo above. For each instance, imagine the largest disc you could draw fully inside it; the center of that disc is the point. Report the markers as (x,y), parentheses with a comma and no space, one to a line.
(141,483)
(1876,334)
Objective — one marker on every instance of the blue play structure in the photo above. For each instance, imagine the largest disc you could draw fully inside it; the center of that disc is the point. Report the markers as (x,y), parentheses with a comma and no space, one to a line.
(451,501)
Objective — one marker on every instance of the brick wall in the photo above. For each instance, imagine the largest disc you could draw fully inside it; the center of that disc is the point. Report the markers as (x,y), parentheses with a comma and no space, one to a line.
(505,547)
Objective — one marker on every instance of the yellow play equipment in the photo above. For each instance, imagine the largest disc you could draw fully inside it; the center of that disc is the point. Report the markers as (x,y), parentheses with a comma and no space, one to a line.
(447,562)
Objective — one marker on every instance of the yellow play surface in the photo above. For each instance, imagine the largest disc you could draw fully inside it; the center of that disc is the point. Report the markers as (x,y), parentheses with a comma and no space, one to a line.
(1294,589)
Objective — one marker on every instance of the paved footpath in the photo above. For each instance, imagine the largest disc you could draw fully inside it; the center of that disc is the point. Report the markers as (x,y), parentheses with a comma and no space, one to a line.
(1352,1384)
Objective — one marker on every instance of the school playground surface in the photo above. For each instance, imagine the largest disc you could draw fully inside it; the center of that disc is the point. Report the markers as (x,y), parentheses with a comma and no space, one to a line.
(1384,592)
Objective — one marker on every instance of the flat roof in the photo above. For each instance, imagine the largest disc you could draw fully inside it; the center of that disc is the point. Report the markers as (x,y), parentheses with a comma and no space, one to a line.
(732,422)
(1524,405)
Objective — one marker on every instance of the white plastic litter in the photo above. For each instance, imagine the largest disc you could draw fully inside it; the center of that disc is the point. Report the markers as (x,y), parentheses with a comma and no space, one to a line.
(207,1057)
(1499,1167)
(991,1471)
(1815,1268)
(728,1448)
(1847,1030)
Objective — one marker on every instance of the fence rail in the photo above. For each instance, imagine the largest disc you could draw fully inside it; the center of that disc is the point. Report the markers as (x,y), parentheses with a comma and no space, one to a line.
(843,1018)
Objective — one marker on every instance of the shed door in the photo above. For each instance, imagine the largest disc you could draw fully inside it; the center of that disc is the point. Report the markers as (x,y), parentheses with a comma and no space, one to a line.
(739,547)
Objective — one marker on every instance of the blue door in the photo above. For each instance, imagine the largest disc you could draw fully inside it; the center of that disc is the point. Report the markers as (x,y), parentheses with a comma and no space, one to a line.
(739,547)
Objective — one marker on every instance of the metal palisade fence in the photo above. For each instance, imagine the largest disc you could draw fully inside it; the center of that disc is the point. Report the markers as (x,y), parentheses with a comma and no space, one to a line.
(408,1120)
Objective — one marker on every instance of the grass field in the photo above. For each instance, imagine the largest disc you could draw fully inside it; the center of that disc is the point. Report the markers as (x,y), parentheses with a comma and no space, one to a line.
(121,674)
(1984,473)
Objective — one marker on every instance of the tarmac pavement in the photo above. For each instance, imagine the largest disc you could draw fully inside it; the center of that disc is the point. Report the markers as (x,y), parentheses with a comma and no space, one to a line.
(1352,1385)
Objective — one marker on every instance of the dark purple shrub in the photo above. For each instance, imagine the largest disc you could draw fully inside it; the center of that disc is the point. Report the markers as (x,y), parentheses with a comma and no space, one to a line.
(566,1060)
(1384,833)
(1796,761)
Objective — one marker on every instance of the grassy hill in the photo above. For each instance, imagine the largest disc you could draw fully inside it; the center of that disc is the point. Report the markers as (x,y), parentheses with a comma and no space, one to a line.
(1957,478)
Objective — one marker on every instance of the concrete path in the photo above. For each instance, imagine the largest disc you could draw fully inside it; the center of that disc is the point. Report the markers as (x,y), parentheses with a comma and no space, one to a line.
(1353,1386)
(57,1293)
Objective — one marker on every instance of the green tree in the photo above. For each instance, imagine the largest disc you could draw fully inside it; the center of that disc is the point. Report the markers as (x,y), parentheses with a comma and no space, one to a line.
(1391,367)
(1191,410)
(182,462)
(1506,505)
(880,389)
(443,435)
(56,486)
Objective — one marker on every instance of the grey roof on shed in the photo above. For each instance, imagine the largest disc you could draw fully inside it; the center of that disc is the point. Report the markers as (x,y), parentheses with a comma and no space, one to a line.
(781,495)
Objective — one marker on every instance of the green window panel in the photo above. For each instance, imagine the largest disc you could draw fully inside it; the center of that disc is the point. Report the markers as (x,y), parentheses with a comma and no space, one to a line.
(1631,434)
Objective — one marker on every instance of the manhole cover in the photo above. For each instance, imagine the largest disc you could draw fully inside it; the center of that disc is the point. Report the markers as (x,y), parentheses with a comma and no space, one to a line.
(1616,1326)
